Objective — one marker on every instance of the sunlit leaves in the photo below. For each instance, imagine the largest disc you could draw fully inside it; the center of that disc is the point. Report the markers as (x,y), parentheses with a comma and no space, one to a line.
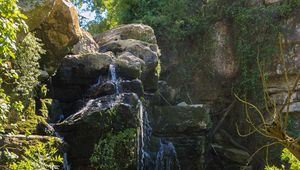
(11,22)
(43,156)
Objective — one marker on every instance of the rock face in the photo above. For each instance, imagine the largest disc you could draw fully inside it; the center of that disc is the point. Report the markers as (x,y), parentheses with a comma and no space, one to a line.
(186,127)
(175,120)
(148,63)
(99,89)
(223,61)
(95,120)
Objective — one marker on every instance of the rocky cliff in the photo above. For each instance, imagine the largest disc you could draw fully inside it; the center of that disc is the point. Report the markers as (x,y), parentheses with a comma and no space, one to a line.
(119,101)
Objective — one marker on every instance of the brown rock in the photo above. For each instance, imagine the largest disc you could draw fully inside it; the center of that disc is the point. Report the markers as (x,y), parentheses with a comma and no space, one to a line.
(36,11)
(59,32)
(86,44)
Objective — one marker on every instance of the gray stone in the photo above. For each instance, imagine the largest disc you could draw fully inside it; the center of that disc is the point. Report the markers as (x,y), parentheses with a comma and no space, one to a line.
(181,119)
(83,69)
(233,154)
(132,86)
(129,66)
(149,53)
(166,93)
(131,31)
(107,88)
(97,119)
(43,76)
(272,1)
(223,60)
(293,28)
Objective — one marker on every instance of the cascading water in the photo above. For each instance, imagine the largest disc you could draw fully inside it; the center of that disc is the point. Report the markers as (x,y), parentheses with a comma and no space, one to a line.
(145,133)
(66,165)
(112,71)
(166,157)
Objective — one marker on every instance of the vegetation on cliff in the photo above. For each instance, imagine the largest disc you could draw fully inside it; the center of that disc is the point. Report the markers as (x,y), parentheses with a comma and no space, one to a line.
(116,151)
(255,28)
(184,28)
(20,52)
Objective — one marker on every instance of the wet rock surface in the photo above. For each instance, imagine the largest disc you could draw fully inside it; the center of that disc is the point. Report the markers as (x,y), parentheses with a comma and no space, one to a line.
(96,119)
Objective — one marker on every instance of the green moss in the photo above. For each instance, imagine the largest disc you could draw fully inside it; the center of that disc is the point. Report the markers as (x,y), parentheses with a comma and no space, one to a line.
(116,151)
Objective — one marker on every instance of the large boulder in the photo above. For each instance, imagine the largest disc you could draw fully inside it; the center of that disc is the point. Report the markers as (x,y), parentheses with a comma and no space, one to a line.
(188,119)
(37,11)
(77,73)
(59,32)
(82,69)
(129,65)
(98,118)
(131,31)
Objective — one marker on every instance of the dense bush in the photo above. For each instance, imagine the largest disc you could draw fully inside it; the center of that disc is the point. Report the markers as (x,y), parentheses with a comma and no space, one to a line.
(42,156)
(26,65)
(293,162)
(11,21)
(116,151)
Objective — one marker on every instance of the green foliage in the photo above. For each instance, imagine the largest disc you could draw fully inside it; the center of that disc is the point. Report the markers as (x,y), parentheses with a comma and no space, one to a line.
(27,66)
(42,156)
(177,23)
(116,151)
(29,121)
(257,30)
(11,21)
(18,65)
(294,163)
(22,89)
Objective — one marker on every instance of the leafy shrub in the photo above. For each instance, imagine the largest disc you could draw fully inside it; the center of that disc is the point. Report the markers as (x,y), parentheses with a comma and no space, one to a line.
(11,21)
(26,65)
(294,163)
(115,152)
(42,156)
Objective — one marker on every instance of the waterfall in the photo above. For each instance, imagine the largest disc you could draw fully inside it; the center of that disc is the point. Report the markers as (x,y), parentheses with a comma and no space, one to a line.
(66,165)
(166,158)
(145,132)
(113,74)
